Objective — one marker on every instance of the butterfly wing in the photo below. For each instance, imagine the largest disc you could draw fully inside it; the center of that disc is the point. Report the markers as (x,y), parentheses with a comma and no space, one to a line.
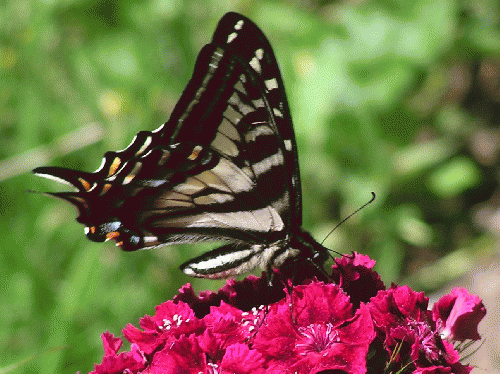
(236,102)
(224,167)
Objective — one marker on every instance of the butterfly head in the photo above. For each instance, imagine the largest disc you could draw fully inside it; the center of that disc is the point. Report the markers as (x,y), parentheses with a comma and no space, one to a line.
(309,261)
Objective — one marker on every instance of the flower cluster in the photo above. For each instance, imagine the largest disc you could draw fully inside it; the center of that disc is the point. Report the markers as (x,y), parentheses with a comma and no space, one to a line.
(352,325)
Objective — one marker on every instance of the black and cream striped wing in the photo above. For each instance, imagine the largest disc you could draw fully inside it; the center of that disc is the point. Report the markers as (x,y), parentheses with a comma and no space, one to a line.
(224,167)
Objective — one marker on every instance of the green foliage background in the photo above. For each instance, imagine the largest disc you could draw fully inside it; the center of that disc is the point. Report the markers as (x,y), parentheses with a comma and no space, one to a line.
(396,97)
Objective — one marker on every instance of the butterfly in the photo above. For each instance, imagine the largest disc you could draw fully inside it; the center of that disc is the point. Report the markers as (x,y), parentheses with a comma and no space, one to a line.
(223,168)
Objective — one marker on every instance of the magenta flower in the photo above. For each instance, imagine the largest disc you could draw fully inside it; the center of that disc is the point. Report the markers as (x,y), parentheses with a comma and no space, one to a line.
(411,332)
(458,315)
(122,362)
(320,331)
(353,325)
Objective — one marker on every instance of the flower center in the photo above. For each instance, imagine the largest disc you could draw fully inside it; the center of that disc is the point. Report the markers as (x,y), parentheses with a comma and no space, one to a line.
(427,339)
(317,338)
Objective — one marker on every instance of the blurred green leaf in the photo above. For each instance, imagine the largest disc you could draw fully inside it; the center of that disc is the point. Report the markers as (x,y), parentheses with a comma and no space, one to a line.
(416,158)
(454,178)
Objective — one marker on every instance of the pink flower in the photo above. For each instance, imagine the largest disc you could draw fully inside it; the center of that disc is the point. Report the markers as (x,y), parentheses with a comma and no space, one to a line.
(352,325)
(355,275)
(410,333)
(320,331)
(458,315)
(121,362)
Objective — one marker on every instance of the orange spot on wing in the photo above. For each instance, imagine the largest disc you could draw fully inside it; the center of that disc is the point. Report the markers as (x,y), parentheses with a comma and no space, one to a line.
(85,184)
(112,235)
(195,153)
(114,166)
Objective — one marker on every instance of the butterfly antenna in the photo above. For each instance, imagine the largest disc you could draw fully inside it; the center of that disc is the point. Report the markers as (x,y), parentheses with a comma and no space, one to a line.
(349,216)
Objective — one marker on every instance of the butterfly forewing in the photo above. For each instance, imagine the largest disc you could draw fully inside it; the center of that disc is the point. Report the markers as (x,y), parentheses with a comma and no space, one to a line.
(236,102)
(224,167)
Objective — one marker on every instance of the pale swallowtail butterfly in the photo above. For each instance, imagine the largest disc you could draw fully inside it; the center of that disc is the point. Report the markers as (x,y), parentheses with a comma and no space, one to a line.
(223,168)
